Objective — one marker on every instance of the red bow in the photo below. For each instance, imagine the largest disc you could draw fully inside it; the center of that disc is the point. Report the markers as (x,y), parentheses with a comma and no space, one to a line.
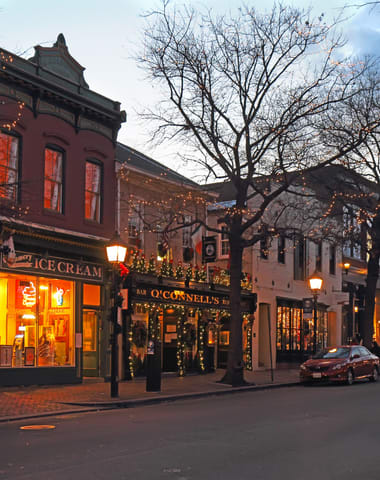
(124,271)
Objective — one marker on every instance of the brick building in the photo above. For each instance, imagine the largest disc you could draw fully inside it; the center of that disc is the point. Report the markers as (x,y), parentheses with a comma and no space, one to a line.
(57,195)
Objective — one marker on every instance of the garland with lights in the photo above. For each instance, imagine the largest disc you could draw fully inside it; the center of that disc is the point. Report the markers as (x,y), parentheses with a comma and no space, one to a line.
(141,265)
(130,358)
(179,271)
(197,274)
(180,340)
(154,325)
(152,265)
(201,345)
(248,350)
(135,261)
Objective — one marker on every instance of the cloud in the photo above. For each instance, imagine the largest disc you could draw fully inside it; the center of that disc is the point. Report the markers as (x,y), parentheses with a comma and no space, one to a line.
(363,32)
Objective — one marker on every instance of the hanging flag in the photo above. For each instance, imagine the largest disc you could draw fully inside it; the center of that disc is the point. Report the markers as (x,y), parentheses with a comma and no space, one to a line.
(196,237)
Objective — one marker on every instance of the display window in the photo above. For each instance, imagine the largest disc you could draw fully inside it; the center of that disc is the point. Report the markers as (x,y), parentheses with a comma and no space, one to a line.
(296,334)
(36,321)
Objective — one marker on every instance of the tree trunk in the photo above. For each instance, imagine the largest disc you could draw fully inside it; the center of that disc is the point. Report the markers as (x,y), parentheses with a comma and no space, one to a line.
(234,374)
(370,296)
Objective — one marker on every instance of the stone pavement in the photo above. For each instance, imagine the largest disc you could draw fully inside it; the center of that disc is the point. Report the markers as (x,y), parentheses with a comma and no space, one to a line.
(94,394)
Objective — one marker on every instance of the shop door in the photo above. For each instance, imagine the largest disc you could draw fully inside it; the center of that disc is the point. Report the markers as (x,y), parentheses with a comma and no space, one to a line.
(90,343)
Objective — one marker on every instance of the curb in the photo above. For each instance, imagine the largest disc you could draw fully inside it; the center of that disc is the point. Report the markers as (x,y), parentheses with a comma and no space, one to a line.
(113,405)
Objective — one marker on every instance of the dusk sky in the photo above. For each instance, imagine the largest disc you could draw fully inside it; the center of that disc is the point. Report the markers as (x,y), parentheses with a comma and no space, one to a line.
(102,36)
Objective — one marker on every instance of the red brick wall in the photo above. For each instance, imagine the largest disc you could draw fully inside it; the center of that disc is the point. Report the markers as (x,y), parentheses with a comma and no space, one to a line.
(45,129)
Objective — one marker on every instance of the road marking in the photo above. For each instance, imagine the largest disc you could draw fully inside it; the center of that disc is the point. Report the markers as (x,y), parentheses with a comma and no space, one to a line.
(37,427)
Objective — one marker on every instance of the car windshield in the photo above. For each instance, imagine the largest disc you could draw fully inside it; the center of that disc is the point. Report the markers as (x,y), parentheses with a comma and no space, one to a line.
(341,352)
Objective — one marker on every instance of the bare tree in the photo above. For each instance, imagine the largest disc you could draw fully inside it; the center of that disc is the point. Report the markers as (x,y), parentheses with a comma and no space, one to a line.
(357,189)
(247,96)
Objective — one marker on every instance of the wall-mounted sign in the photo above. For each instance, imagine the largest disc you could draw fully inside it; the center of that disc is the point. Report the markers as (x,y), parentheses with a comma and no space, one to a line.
(209,249)
(169,295)
(179,294)
(46,265)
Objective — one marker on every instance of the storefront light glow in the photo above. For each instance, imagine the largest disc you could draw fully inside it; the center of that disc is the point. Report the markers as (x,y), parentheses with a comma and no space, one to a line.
(22,328)
(44,287)
(28,316)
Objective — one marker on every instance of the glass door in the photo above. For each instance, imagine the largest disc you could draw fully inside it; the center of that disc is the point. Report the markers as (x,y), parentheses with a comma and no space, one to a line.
(90,343)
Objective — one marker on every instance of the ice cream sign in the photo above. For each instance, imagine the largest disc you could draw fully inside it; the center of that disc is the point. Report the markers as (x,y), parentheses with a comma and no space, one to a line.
(47,265)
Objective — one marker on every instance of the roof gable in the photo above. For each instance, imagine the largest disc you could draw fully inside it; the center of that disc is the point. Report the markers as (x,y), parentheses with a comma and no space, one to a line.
(58,60)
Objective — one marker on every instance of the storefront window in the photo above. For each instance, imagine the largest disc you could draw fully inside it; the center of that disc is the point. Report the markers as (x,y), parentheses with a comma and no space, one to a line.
(93,191)
(91,294)
(295,334)
(36,321)
(9,153)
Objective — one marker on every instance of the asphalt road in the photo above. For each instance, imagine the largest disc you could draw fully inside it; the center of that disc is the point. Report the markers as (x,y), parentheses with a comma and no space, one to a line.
(300,432)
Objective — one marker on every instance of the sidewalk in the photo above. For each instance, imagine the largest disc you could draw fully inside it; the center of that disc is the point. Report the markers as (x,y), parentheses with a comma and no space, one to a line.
(34,401)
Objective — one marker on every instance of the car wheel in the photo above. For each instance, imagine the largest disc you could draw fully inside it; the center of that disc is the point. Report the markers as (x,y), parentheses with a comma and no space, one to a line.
(350,377)
(375,375)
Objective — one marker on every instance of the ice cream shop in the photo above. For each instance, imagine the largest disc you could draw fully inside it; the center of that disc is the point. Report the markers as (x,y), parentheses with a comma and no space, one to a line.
(47,305)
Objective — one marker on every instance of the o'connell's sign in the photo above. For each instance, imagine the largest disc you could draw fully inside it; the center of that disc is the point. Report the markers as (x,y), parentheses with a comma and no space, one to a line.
(31,263)
(172,295)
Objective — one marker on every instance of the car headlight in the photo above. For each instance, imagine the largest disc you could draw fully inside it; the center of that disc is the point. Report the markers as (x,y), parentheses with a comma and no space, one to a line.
(337,366)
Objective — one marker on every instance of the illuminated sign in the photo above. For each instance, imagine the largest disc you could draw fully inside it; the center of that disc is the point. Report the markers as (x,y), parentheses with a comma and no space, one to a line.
(29,263)
(185,297)
(189,297)
(29,295)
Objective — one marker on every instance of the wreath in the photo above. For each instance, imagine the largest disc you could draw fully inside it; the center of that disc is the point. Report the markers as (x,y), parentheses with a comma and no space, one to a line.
(139,334)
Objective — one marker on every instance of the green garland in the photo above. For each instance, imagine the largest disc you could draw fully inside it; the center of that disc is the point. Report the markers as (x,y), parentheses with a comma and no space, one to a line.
(201,346)
(130,358)
(180,341)
(248,350)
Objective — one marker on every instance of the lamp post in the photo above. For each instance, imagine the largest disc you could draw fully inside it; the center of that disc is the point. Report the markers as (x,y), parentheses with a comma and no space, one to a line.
(315,284)
(116,252)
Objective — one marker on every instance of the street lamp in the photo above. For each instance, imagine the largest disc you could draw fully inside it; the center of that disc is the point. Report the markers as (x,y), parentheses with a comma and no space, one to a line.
(346,266)
(116,252)
(315,284)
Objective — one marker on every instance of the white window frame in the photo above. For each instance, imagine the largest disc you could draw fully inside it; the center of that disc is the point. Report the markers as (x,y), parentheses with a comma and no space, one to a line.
(223,244)
(135,216)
